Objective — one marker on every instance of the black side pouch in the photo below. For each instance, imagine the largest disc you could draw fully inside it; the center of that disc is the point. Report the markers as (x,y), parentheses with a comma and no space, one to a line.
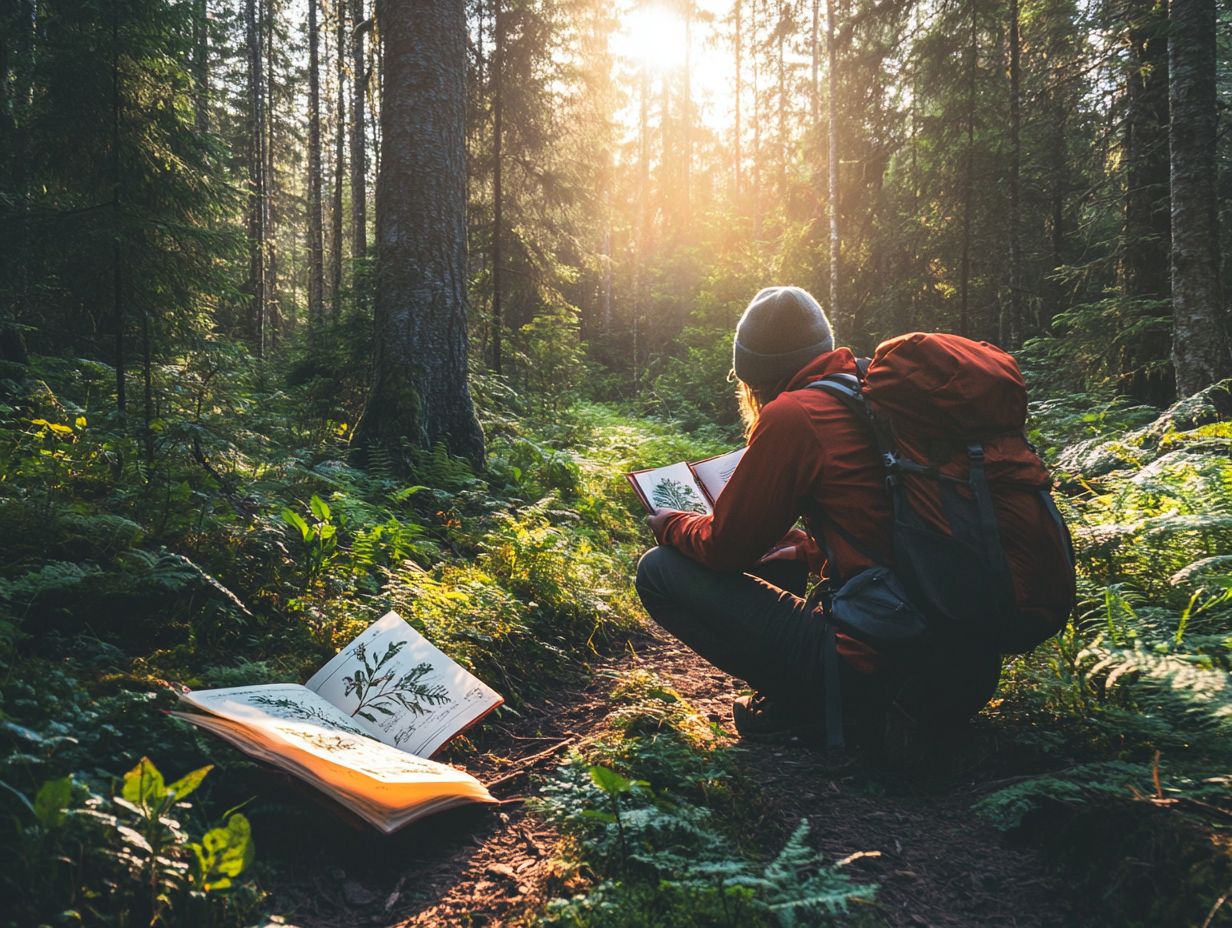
(874,606)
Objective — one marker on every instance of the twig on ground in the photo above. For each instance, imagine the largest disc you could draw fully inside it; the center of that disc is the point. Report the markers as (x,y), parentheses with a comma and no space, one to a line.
(526,763)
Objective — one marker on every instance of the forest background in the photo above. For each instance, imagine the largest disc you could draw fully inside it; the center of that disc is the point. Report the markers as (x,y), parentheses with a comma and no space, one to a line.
(191,291)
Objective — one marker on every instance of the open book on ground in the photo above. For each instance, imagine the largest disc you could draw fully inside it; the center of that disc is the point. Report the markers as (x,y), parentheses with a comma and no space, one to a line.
(364,726)
(688,487)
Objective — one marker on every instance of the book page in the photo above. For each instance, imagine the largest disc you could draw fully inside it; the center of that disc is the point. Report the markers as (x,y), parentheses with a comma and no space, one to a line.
(412,696)
(271,704)
(713,473)
(384,786)
(670,487)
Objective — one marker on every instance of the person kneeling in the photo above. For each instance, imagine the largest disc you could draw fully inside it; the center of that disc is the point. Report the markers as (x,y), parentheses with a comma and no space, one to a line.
(731,585)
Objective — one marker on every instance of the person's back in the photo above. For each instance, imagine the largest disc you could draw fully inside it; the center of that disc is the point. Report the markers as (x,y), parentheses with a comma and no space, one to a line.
(808,455)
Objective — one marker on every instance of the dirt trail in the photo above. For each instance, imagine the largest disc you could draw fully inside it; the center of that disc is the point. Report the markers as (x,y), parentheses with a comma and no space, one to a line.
(935,863)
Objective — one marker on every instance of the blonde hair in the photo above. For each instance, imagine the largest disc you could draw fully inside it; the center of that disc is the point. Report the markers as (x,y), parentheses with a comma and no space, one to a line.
(750,402)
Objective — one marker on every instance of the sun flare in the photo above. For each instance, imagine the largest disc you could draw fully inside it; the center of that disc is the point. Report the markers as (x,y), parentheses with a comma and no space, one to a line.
(654,37)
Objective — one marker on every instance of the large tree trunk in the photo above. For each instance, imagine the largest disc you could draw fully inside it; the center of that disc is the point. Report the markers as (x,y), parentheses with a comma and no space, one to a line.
(1147,219)
(316,271)
(814,66)
(498,193)
(964,270)
(1014,335)
(420,391)
(781,66)
(201,65)
(1148,223)
(359,152)
(1058,187)
(340,127)
(739,46)
(256,174)
(117,262)
(1199,339)
(273,199)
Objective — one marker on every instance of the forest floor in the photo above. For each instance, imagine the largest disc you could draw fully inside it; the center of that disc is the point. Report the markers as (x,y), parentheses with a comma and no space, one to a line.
(915,837)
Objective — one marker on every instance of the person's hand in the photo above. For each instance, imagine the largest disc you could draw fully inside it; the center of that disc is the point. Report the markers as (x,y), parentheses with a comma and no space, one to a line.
(658,522)
(791,547)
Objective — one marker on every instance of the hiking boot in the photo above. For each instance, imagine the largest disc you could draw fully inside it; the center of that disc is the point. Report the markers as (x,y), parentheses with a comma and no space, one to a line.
(759,718)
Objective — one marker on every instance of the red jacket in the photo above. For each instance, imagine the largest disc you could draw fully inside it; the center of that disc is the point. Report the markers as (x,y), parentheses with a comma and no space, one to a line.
(808,446)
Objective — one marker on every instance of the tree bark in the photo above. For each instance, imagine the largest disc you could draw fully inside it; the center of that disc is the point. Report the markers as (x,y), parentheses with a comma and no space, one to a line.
(337,246)
(814,65)
(1059,184)
(117,263)
(964,273)
(272,316)
(781,65)
(498,197)
(832,147)
(201,65)
(1145,272)
(1147,212)
(1016,321)
(359,153)
(316,273)
(420,391)
(256,174)
(739,47)
(1199,337)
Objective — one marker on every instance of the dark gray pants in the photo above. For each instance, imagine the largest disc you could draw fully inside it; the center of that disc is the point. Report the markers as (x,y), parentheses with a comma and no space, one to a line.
(759,628)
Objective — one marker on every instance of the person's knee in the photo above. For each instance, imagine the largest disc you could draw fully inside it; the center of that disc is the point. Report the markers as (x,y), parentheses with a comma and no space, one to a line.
(650,570)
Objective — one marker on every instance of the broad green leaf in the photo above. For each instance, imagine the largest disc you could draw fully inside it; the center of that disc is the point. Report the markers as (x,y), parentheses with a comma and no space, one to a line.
(595,815)
(224,853)
(143,785)
(408,492)
(296,521)
(189,782)
(610,781)
(51,800)
(319,508)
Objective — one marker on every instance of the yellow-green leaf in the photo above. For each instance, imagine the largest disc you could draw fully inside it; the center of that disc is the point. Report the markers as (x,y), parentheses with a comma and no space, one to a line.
(51,801)
(189,782)
(144,785)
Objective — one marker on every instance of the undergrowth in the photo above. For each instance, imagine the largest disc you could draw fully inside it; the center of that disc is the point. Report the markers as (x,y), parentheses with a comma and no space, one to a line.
(659,820)
(231,540)
(1136,692)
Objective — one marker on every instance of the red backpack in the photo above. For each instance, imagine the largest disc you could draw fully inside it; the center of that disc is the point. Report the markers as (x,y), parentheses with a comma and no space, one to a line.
(968,493)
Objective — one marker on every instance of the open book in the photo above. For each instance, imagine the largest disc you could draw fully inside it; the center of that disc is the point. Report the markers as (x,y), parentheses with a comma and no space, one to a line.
(688,487)
(362,728)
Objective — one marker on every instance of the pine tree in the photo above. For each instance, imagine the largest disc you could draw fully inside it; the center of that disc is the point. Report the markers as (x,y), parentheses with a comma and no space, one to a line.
(420,392)
(1200,352)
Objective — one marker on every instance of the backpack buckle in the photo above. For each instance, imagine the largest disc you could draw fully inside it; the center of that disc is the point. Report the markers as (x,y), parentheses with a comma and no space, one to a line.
(975,452)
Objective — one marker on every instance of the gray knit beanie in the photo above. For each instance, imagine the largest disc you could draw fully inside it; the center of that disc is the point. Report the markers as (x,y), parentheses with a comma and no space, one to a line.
(782,329)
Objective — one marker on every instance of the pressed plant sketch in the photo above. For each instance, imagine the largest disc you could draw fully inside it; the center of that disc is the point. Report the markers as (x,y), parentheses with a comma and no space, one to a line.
(364,755)
(673,494)
(378,686)
(286,707)
(396,681)
(685,486)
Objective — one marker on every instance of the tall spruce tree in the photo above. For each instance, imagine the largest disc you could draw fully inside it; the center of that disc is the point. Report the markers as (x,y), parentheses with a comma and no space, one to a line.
(1200,352)
(419,392)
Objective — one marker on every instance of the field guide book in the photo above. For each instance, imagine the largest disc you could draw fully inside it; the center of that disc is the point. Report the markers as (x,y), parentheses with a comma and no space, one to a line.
(690,487)
(363,728)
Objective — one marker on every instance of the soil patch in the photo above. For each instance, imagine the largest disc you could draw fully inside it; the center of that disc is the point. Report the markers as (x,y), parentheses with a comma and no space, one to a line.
(936,865)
